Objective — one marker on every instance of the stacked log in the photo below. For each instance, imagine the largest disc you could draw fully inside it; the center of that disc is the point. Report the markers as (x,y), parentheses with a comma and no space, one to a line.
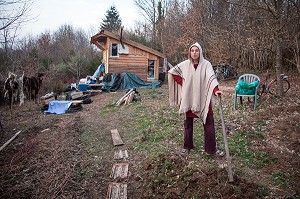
(127,98)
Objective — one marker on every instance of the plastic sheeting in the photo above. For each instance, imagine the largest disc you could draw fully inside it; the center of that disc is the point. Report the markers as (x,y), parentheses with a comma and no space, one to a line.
(243,88)
(58,107)
(100,69)
(125,81)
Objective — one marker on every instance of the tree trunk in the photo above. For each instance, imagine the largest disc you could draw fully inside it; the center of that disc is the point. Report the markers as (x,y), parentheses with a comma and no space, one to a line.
(297,53)
(278,40)
(279,65)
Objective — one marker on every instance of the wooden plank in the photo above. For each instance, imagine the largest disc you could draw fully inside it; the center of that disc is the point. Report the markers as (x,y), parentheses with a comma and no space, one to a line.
(99,45)
(120,154)
(91,85)
(127,66)
(128,70)
(117,191)
(95,91)
(76,102)
(119,170)
(117,140)
(128,63)
(130,57)
(9,141)
(135,72)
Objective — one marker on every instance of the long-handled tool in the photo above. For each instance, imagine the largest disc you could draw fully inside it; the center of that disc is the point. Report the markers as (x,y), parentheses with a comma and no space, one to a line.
(230,176)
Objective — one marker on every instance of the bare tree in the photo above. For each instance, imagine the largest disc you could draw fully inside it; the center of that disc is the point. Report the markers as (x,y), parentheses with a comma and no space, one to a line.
(154,12)
(271,27)
(173,31)
(13,13)
(148,10)
(254,34)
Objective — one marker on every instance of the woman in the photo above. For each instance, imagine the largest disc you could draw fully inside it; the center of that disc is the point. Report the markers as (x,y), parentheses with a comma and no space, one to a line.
(191,85)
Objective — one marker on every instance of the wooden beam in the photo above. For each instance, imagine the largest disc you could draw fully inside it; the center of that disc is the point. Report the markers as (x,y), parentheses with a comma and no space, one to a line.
(117,191)
(99,45)
(119,170)
(120,154)
(116,137)
(9,141)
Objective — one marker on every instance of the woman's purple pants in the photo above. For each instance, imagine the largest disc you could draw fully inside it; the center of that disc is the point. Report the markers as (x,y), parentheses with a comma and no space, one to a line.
(209,134)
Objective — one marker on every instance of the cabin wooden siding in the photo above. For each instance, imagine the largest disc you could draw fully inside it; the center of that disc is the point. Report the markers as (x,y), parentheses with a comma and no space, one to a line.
(131,64)
(136,61)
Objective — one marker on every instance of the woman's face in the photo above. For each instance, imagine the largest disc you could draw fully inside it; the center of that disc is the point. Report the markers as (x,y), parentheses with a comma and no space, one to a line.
(195,53)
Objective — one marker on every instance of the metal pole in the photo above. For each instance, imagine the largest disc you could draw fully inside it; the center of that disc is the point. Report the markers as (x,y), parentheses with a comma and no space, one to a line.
(230,175)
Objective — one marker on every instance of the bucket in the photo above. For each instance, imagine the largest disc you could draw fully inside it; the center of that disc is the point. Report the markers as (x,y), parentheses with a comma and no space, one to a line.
(82,87)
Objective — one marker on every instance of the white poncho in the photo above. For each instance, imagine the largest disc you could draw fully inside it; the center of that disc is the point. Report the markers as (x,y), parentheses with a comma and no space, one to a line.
(197,86)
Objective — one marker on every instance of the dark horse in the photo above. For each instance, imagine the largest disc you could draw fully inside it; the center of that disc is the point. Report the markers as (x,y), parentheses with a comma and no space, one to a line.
(32,85)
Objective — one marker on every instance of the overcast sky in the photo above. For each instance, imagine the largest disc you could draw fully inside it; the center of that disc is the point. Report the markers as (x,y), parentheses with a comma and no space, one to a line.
(85,14)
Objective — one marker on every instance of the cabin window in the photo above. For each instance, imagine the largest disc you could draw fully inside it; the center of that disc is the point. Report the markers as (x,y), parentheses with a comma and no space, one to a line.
(114,50)
(150,68)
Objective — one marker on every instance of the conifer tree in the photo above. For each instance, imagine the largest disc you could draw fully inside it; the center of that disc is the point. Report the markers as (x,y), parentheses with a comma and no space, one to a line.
(112,21)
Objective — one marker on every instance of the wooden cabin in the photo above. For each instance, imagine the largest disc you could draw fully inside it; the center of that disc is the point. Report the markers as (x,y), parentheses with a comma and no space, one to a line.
(123,55)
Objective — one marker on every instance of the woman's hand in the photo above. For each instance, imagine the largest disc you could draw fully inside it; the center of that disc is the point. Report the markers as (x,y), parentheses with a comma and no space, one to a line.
(219,93)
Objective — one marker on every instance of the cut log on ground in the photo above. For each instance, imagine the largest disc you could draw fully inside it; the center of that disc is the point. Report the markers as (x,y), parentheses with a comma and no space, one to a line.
(129,98)
(118,103)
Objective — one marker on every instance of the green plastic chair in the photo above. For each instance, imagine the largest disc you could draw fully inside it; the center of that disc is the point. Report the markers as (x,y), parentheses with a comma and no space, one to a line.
(246,87)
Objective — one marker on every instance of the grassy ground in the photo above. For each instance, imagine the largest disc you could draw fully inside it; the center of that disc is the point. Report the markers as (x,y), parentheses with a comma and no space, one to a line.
(74,158)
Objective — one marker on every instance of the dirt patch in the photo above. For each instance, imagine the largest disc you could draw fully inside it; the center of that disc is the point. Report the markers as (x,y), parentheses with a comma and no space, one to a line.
(178,177)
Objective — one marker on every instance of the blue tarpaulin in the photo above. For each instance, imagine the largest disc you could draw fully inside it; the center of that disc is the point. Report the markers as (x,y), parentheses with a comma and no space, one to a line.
(58,107)
(100,69)
(126,81)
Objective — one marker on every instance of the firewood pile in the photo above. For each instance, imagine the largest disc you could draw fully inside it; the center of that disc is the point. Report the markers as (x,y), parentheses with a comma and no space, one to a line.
(130,96)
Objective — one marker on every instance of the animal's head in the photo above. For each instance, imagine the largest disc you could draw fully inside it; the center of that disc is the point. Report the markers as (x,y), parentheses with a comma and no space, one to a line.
(40,76)
(12,76)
